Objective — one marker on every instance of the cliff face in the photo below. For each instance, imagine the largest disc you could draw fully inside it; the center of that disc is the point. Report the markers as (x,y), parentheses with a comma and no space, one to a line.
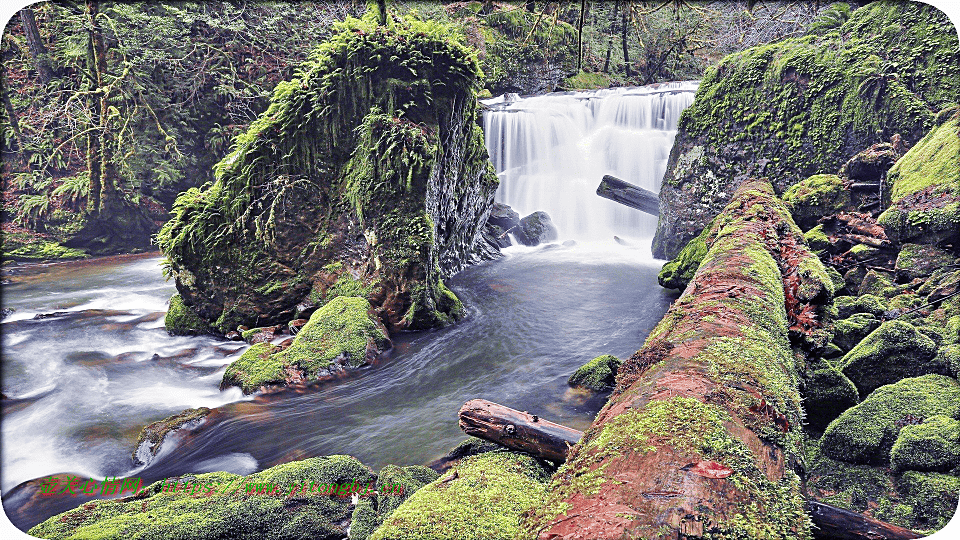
(367,176)
(806,105)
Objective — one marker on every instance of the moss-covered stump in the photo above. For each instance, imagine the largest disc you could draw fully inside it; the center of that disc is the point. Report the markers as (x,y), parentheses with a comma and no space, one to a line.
(893,351)
(597,374)
(339,336)
(152,436)
(368,169)
(700,433)
(865,433)
(182,319)
(932,446)
(394,486)
(815,197)
(480,499)
(804,106)
(222,505)
(924,190)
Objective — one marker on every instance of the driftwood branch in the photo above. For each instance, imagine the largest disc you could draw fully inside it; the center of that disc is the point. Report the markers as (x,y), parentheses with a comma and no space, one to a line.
(630,195)
(529,433)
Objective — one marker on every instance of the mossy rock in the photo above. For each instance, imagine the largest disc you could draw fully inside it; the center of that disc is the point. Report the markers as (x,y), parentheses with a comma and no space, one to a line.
(817,239)
(536,229)
(933,446)
(850,331)
(857,488)
(924,188)
(865,433)
(893,351)
(597,374)
(933,497)
(181,319)
(826,394)
(874,282)
(152,436)
(815,197)
(920,261)
(220,507)
(677,273)
(255,369)
(867,303)
(950,355)
(482,498)
(394,486)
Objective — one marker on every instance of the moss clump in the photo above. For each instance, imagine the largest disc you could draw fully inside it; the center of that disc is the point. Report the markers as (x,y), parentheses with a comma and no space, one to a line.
(874,283)
(932,496)
(39,251)
(256,368)
(814,197)
(865,433)
(219,505)
(933,445)
(848,332)
(826,394)
(394,486)
(677,273)
(340,334)
(817,239)
(597,374)
(481,499)
(892,352)
(867,303)
(181,319)
(154,434)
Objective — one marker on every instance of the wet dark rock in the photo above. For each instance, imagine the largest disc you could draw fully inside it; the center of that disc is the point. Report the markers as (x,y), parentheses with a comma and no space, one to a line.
(918,261)
(6,312)
(535,229)
(42,316)
(503,216)
(826,394)
(233,336)
(295,325)
(152,436)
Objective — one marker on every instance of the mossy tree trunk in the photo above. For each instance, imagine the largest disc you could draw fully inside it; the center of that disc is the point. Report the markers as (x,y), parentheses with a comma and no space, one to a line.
(702,435)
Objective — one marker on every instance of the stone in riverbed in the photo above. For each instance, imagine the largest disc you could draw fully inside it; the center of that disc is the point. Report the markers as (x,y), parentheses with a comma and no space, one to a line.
(182,319)
(503,216)
(536,229)
(597,374)
(152,436)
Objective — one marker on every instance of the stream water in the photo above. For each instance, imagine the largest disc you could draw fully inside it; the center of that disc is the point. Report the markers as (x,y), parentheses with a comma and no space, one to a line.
(81,383)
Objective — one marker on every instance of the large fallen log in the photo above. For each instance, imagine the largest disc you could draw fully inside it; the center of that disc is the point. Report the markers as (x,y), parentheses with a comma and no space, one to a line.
(630,195)
(529,433)
(517,430)
(702,434)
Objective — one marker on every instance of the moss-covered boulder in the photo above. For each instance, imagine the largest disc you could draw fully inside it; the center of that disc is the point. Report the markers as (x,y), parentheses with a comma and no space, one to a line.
(597,374)
(481,498)
(394,486)
(933,445)
(875,283)
(919,261)
(867,303)
(536,229)
(152,436)
(893,351)
(931,496)
(817,239)
(826,394)
(181,319)
(924,190)
(369,163)
(815,197)
(848,332)
(339,336)
(677,273)
(866,432)
(222,505)
(804,106)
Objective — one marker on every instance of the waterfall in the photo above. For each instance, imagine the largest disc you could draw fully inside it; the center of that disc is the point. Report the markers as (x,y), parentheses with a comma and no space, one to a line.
(551,151)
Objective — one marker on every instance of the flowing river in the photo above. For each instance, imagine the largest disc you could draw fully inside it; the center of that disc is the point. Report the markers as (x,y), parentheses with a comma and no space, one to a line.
(87,362)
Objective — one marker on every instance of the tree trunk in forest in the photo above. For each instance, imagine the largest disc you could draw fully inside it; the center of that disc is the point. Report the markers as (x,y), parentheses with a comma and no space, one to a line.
(625,14)
(606,61)
(518,430)
(35,43)
(583,12)
(702,434)
(12,115)
(94,138)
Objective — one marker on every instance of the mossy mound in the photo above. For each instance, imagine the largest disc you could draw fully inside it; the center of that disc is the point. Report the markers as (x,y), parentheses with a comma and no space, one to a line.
(933,446)
(394,486)
(369,161)
(677,273)
(340,335)
(597,374)
(815,197)
(867,303)
(181,319)
(219,505)
(848,332)
(826,394)
(893,351)
(817,239)
(151,437)
(865,433)
(920,261)
(805,105)
(924,188)
(482,498)
(931,496)
(874,283)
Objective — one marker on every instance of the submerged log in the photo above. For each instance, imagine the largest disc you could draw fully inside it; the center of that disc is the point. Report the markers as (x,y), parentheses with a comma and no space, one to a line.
(701,436)
(630,195)
(517,430)
(493,422)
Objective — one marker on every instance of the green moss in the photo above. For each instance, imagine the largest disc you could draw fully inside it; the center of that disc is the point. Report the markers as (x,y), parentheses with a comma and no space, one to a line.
(817,239)
(817,196)
(34,250)
(931,162)
(218,507)
(933,445)
(892,352)
(181,319)
(865,433)
(482,499)
(850,331)
(678,272)
(597,374)
(588,81)
(874,282)
(394,486)
(853,487)
(827,393)
(255,368)
(866,303)
(933,497)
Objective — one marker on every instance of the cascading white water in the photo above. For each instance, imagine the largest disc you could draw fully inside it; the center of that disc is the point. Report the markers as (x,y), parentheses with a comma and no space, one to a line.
(551,152)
